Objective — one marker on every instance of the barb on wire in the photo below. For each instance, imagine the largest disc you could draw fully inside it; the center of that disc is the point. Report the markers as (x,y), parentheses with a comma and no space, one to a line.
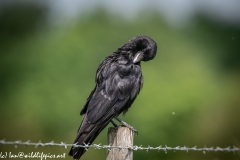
(135,148)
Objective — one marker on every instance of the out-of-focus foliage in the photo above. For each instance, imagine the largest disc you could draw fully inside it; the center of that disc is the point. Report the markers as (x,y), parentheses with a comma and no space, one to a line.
(191,93)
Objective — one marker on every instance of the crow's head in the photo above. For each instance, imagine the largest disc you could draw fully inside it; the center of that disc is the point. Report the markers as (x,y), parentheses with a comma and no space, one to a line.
(142,48)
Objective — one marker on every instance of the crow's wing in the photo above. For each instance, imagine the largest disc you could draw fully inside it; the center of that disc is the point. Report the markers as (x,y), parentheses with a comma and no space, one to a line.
(117,84)
(117,87)
(105,69)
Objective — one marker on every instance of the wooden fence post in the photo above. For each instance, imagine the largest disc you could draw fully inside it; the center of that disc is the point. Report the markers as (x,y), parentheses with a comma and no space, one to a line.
(120,136)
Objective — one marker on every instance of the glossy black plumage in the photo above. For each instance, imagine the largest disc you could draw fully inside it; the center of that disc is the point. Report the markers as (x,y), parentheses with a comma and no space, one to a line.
(118,82)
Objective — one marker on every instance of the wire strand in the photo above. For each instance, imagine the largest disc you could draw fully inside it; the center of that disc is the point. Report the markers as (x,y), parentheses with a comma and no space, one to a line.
(135,148)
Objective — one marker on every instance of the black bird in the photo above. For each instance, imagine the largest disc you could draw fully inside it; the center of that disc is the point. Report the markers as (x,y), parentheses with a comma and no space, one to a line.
(118,82)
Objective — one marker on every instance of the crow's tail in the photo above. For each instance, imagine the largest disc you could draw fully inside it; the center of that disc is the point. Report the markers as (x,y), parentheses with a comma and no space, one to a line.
(87,133)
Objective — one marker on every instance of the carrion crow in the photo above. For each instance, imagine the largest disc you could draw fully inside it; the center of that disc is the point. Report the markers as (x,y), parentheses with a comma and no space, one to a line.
(118,82)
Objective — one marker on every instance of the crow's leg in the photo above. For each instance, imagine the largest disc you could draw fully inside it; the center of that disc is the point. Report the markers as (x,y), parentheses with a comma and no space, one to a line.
(114,124)
(126,125)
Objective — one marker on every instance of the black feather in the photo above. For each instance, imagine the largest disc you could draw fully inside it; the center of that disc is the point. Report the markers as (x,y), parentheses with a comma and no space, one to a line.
(118,82)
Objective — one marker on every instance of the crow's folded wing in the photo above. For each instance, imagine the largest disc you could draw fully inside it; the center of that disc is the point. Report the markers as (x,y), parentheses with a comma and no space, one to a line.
(117,85)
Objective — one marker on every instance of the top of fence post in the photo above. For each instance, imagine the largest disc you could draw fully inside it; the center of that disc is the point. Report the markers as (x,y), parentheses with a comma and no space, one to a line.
(121,137)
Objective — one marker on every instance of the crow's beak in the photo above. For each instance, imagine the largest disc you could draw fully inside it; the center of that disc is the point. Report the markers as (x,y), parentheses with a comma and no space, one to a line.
(138,57)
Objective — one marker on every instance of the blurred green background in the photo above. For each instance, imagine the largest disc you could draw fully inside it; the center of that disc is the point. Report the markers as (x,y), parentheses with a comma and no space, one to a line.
(191,92)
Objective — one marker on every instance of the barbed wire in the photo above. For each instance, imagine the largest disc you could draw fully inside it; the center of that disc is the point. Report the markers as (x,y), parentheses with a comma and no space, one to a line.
(135,148)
